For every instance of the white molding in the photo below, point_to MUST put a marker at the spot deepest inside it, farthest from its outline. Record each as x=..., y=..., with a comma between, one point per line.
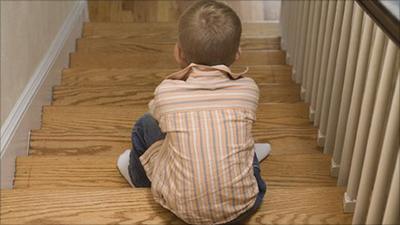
x=303, y=93
x=349, y=204
x=294, y=73
x=15, y=129
x=334, y=168
x=321, y=138
x=288, y=58
x=311, y=115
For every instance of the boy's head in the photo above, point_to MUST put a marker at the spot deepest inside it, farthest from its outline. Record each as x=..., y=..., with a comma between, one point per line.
x=209, y=34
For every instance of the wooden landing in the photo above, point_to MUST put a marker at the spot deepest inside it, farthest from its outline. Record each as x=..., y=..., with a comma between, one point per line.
x=70, y=175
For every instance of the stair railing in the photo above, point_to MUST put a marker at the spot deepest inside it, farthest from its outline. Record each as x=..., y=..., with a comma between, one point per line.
x=347, y=64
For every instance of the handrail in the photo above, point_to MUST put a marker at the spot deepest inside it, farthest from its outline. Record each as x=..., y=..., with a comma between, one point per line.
x=383, y=17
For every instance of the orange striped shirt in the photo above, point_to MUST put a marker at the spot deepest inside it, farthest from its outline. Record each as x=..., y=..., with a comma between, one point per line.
x=202, y=171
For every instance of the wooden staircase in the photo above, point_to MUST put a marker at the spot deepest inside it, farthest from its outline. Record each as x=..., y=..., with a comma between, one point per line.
x=70, y=176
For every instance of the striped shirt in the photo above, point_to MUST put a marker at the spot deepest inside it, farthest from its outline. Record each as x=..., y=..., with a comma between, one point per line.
x=202, y=171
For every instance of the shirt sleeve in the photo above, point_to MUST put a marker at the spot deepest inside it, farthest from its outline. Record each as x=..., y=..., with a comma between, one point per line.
x=153, y=108
x=154, y=104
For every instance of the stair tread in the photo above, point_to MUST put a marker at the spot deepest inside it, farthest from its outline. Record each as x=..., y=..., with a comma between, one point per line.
x=63, y=172
x=132, y=45
x=164, y=60
x=132, y=95
x=136, y=205
x=59, y=142
x=162, y=30
x=81, y=76
x=113, y=119
x=71, y=130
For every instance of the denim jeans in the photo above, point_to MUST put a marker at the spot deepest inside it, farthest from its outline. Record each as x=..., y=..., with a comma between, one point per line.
x=145, y=132
x=262, y=188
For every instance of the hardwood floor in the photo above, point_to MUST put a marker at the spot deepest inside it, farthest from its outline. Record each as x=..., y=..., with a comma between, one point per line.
x=70, y=175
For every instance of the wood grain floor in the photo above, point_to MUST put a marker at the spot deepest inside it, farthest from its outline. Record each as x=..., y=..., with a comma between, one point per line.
x=170, y=10
x=70, y=175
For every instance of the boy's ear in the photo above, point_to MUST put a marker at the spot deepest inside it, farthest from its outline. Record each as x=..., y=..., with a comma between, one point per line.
x=179, y=56
x=238, y=54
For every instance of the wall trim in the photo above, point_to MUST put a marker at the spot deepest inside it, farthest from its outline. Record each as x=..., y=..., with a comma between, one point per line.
x=14, y=125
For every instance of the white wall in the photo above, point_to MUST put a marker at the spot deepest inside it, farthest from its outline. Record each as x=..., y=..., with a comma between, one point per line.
x=36, y=39
x=27, y=30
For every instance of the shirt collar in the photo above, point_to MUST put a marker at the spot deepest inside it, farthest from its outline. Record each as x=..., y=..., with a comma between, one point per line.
x=196, y=68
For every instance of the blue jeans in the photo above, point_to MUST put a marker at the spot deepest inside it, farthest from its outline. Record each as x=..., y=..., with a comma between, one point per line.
x=146, y=132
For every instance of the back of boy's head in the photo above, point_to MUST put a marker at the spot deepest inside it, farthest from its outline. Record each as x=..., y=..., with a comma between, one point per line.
x=209, y=33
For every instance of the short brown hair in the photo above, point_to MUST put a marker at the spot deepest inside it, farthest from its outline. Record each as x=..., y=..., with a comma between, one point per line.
x=209, y=33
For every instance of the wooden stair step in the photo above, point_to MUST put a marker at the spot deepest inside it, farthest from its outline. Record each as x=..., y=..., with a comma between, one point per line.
x=96, y=118
x=147, y=77
x=159, y=31
x=68, y=143
x=99, y=130
x=63, y=172
x=129, y=45
x=164, y=60
x=134, y=95
x=298, y=140
x=136, y=206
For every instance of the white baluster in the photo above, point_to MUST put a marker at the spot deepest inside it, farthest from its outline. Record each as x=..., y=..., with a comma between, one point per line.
x=302, y=41
x=307, y=83
x=318, y=58
x=372, y=151
x=338, y=78
x=366, y=114
x=330, y=73
x=356, y=99
x=349, y=76
x=307, y=46
x=388, y=158
x=324, y=61
x=391, y=216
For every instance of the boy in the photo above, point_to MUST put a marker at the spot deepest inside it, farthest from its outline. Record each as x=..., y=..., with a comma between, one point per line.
x=195, y=147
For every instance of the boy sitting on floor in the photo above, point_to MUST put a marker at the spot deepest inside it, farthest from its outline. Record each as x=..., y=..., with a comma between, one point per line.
x=195, y=148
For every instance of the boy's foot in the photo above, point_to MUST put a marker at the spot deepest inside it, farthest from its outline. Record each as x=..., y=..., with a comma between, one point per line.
x=262, y=150
x=123, y=165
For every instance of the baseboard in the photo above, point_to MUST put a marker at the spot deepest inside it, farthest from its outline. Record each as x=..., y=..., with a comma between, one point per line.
x=26, y=113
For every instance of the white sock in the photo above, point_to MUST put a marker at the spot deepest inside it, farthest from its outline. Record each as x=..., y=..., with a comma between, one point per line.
x=262, y=150
x=123, y=165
